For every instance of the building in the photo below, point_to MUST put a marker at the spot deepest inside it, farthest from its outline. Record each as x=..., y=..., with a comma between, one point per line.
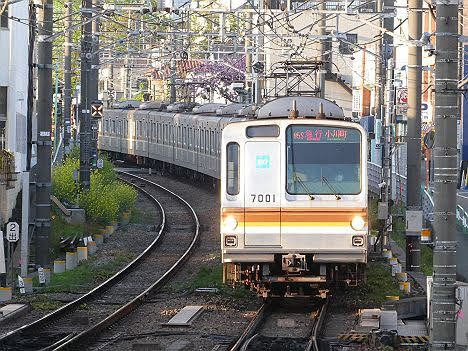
x=13, y=104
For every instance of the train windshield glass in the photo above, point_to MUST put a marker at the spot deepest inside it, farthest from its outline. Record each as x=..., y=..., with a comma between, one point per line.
x=323, y=160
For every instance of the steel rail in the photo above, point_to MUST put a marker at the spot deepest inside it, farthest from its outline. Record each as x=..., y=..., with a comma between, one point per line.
x=248, y=332
x=126, y=309
x=70, y=307
x=313, y=342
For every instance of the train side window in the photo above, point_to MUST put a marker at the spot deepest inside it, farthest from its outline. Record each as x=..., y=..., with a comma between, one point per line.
x=232, y=170
x=207, y=142
x=113, y=126
x=184, y=139
x=202, y=142
x=212, y=143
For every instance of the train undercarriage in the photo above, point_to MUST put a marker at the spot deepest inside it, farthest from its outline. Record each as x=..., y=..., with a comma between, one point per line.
x=293, y=275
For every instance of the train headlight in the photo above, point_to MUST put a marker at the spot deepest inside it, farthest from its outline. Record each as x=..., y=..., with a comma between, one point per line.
x=229, y=224
x=358, y=223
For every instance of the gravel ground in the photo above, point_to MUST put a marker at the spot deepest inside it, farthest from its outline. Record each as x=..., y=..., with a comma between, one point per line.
x=141, y=234
x=223, y=317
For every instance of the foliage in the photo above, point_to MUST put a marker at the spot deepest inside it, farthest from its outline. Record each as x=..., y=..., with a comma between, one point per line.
x=100, y=202
x=89, y=273
x=219, y=75
x=212, y=277
x=64, y=186
x=106, y=198
x=373, y=292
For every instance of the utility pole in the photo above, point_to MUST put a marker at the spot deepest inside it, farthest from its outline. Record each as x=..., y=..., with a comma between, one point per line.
x=413, y=185
x=44, y=126
x=85, y=108
x=173, y=91
x=94, y=83
x=443, y=313
x=67, y=77
x=94, y=76
x=322, y=33
x=259, y=81
x=385, y=44
x=248, y=56
x=378, y=68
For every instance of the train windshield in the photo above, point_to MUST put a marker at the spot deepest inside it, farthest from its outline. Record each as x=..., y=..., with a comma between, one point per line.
x=323, y=160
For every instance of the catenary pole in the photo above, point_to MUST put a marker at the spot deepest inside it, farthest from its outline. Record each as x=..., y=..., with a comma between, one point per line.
x=443, y=313
x=413, y=195
x=44, y=124
x=321, y=47
x=85, y=108
x=94, y=73
x=67, y=77
x=248, y=56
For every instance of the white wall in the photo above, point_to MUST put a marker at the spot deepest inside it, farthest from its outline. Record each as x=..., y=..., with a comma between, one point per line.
x=14, y=75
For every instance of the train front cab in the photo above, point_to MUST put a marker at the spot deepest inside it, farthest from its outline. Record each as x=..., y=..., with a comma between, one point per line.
x=293, y=204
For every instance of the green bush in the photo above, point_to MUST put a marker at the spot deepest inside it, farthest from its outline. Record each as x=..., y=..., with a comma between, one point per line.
x=63, y=185
x=126, y=196
x=100, y=202
x=106, y=198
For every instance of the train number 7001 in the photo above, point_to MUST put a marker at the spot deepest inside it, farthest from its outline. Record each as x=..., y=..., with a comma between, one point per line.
x=263, y=197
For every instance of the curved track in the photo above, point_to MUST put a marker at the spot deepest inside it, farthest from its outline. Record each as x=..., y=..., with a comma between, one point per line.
x=75, y=324
x=255, y=336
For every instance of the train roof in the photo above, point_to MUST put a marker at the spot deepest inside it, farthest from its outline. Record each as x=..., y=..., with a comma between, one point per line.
x=306, y=106
x=154, y=105
x=208, y=108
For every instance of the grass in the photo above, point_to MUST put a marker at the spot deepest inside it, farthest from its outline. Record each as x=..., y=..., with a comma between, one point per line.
x=61, y=229
x=374, y=291
x=87, y=274
x=211, y=277
x=42, y=303
x=139, y=216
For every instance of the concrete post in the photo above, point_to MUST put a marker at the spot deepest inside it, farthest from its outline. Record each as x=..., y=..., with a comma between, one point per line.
x=443, y=313
x=44, y=120
x=67, y=77
x=85, y=111
x=413, y=186
x=322, y=32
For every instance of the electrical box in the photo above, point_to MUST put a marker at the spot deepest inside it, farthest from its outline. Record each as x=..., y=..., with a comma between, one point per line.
x=414, y=221
x=382, y=210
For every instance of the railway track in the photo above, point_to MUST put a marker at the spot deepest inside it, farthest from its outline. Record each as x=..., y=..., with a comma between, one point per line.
x=78, y=322
x=287, y=326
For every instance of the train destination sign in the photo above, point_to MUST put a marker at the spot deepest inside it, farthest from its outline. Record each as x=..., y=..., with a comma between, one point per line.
x=319, y=134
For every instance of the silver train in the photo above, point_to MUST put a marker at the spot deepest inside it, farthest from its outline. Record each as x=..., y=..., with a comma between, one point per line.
x=179, y=137
x=285, y=229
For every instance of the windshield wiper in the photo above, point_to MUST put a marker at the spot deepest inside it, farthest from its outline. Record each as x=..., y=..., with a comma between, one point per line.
x=338, y=197
x=296, y=178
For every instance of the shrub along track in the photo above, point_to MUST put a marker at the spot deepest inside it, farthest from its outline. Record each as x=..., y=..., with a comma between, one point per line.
x=75, y=324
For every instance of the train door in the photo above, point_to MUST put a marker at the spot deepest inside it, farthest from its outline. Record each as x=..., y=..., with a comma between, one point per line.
x=262, y=171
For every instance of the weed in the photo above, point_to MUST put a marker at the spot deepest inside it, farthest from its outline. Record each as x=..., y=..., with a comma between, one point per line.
x=374, y=291
x=211, y=277
x=42, y=303
x=88, y=274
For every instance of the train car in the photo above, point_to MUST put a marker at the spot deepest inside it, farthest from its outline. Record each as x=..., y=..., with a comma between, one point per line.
x=294, y=198
x=169, y=137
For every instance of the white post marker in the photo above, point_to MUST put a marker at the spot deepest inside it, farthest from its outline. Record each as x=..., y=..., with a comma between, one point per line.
x=100, y=163
x=2, y=262
x=12, y=232
x=21, y=285
x=41, y=275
